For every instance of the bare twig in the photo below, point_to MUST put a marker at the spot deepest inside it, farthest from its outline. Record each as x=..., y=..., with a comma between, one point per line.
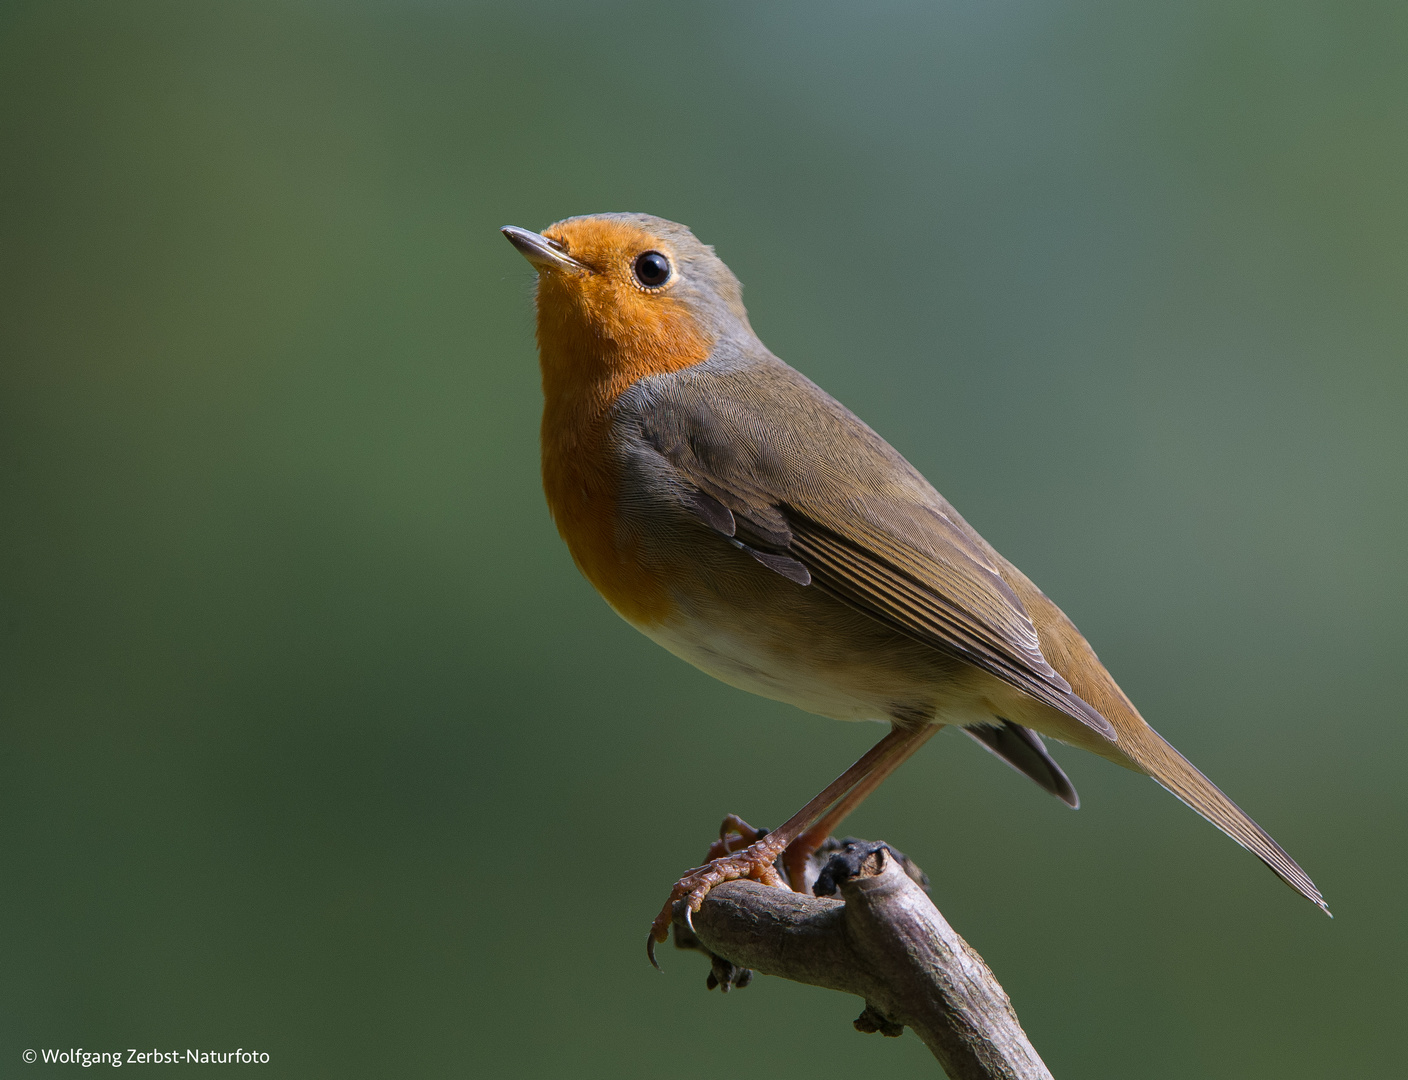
x=883, y=941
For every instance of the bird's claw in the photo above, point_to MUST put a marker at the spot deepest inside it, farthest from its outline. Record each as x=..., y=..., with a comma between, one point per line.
x=754, y=862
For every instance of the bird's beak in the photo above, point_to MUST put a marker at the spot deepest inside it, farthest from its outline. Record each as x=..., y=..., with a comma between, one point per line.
x=543, y=253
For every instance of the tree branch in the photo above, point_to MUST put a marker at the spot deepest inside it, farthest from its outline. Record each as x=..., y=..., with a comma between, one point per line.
x=885, y=942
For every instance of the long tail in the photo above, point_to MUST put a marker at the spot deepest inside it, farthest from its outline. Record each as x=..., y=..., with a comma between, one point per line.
x=1173, y=771
x=1139, y=744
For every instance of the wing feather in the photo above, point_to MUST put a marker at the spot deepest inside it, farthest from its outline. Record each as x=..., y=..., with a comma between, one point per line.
x=834, y=505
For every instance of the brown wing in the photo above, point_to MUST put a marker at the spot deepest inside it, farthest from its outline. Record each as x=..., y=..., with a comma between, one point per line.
x=811, y=491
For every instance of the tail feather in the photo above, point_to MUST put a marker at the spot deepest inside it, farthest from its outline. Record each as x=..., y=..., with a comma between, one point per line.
x=1177, y=774
x=1138, y=744
x=1024, y=751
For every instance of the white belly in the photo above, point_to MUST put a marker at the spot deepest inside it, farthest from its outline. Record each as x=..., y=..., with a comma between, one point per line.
x=739, y=661
x=820, y=678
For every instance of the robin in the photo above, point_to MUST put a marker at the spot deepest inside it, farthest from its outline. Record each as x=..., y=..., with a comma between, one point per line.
x=737, y=514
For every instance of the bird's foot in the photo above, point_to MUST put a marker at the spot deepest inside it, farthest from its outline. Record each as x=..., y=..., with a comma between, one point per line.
x=755, y=861
x=734, y=835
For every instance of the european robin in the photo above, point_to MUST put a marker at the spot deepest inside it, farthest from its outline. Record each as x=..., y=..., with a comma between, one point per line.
x=737, y=514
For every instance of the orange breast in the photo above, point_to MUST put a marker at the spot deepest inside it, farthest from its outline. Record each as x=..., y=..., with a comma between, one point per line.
x=597, y=337
x=582, y=488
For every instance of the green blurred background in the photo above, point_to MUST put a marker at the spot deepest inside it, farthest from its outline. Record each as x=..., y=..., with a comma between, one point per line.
x=314, y=740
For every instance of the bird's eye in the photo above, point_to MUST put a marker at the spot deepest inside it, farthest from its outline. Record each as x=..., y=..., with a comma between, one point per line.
x=652, y=269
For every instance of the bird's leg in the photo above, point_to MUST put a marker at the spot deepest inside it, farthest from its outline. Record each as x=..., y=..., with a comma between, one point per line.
x=795, y=858
x=755, y=861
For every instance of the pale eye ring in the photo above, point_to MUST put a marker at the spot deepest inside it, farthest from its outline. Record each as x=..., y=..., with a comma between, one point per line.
x=652, y=269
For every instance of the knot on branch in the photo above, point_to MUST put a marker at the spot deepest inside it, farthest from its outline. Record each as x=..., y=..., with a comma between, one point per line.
x=870, y=1021
x=724, y=975
x=857, y=858
x=851, y=859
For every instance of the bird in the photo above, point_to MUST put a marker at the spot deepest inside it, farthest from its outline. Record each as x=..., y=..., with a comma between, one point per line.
x=741, y=517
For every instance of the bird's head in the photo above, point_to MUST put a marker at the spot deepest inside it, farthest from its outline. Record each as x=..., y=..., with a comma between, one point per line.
x=623, y=296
